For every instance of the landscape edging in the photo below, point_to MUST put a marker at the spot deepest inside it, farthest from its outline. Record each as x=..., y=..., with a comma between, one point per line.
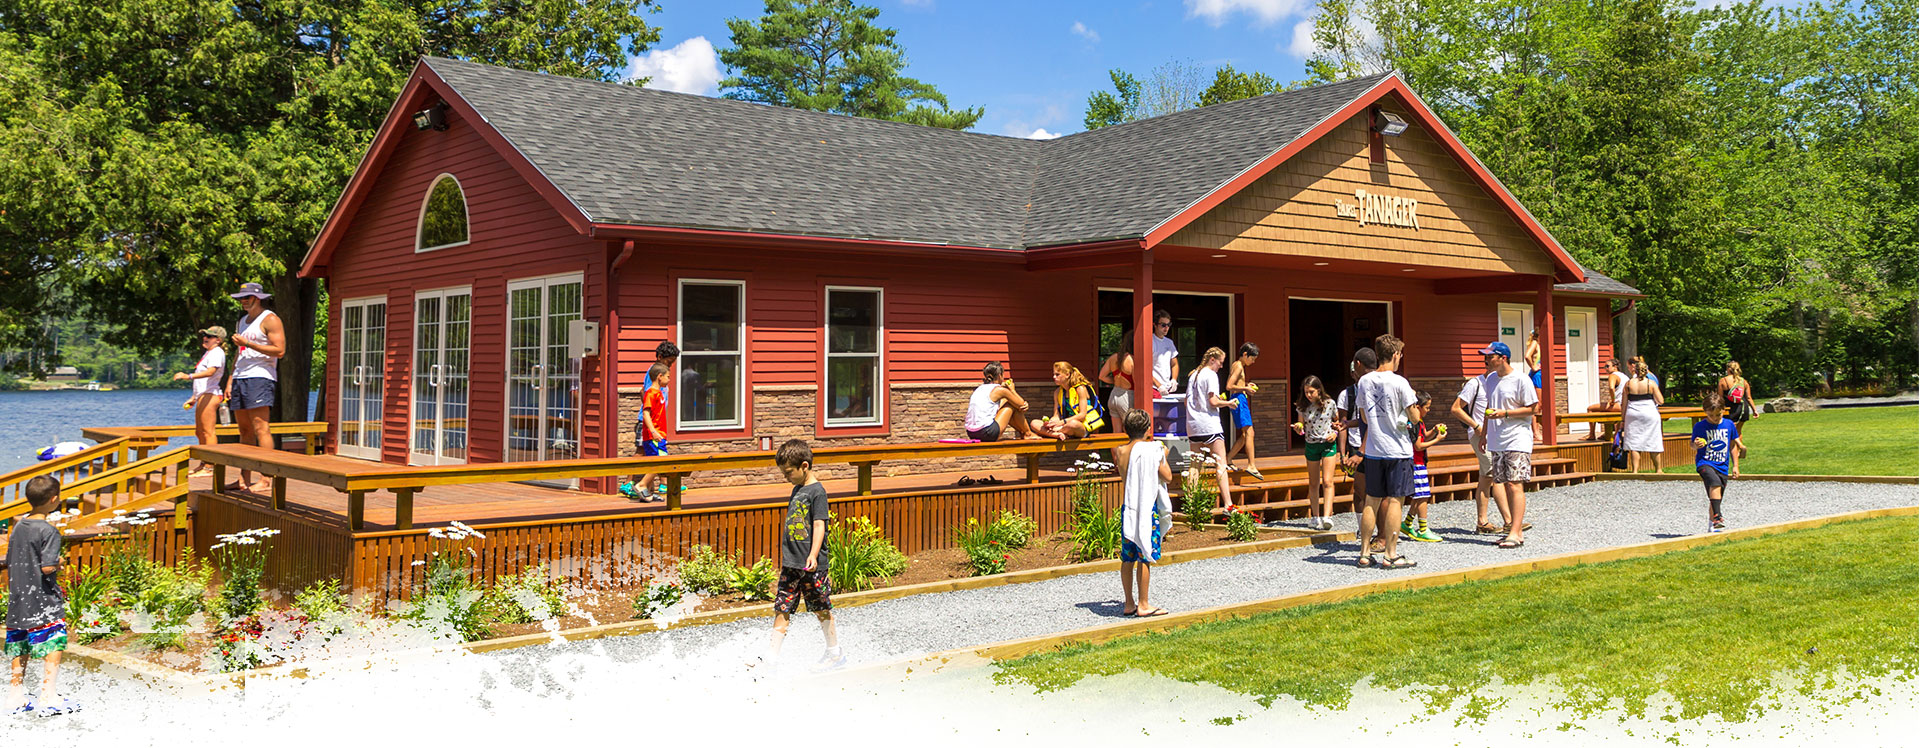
x=1887, y=479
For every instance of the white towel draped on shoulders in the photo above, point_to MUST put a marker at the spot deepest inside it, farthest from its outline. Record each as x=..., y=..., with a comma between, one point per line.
x=1144, y=494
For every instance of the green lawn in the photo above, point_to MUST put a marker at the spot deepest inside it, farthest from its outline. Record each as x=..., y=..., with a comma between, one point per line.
x=1841, y=441
x=1706, y=625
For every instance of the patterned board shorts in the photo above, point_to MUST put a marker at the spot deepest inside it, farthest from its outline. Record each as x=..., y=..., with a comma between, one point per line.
x=1131, y=554
x=37, y=642
x=1510, y=467
x=797, y=584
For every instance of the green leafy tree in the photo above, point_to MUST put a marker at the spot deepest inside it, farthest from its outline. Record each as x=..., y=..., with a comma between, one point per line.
x=154, y=154
x=830, y=56
x=1120, y=105
x=1233, y=85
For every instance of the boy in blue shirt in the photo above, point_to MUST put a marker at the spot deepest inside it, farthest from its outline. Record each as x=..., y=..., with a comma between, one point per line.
x=1716, y=454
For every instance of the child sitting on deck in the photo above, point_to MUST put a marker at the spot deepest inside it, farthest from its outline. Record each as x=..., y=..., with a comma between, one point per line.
x=36, y=606
x=804, y=555
x=1717, y=449
x=650, y=439
x=1424, y=436
x=1146, y=512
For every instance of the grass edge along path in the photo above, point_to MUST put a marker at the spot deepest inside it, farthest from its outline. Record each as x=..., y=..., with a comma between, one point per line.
x=1875, y=440
x=1707, y=626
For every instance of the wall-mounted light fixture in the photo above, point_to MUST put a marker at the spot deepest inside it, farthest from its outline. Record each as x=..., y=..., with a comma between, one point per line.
x=431, y=118
x=1388, y=123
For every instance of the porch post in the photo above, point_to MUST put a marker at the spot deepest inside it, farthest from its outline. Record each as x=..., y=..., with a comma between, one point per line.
x=1143, y=332
x=1549, y=360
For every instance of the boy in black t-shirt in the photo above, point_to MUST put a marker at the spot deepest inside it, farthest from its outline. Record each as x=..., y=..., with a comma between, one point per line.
x=803, y=554
x=37, y=607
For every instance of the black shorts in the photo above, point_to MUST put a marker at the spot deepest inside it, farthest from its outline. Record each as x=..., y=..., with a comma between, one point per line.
x=1713, y=478
x=252, y=392
x=1388, y=477
x=800, y=584
x=987, y=433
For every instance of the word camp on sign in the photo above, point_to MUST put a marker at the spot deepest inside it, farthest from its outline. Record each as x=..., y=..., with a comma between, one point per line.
x=1380, y=209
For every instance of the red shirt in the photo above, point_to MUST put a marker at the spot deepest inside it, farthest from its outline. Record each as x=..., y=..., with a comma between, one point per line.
x=1421, y=432
x=655, y=406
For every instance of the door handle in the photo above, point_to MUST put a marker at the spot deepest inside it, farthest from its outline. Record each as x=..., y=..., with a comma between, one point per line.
x=434, y=375
x=539, y=376
x=359, y=376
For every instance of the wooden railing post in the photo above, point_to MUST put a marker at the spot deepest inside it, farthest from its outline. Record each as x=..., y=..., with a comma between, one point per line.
x=279, y=493
x=1033, y=467
x=673, y=491
x=356, y=510
x=866, y=478
x=219, y=478
x=403, y=508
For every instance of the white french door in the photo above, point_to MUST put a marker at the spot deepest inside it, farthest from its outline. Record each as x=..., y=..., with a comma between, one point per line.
x=363, y=376
x=543, y=378
x=442, y=328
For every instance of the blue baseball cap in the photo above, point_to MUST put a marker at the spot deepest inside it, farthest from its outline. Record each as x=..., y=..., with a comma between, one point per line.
x=1497, y=348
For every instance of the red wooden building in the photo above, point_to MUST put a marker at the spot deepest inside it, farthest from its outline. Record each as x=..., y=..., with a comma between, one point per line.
x=844, y=279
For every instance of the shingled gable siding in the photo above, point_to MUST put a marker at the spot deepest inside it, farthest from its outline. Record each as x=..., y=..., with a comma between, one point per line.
x=515, y=234
x=1292, y=209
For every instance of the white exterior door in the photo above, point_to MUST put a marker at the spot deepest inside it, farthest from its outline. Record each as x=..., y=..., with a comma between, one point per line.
x=1516, y=321
x=442, y=327
x=363, y=378
x=543, y=379
x=1583, y=372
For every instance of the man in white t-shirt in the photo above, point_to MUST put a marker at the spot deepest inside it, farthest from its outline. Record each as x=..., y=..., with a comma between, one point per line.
x=1385, y=398
x=1471, y=408
x=1511, y=404
x=1166, y=356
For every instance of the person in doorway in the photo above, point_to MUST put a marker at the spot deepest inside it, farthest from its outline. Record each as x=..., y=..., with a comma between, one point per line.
x=1511, y=403
x=804, y=556
x=1315, y=427
x=994, y=406
x=650, y=437
x=1471, y=408
x=1077, y=412
x=36, y=617
x=262, y=340
x=1348, y=422
x=1146, y=512
x=1717, y=450
x=1737, y=393
x=205, y=400
x=1204, y=432
x=1386, y=406
x=1425, y=435
x=1166, y=356
x=1533, y=372
x=1239, y=386
x=1117, y=372
x=1640, y=422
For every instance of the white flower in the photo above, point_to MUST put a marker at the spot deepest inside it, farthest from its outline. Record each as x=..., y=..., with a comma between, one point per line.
x=216, y=546
x=476, y=533
x=436, y=533
x=419, y=563
x=118, y=512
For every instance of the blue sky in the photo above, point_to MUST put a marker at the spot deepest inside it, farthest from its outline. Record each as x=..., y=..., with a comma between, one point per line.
x=1031, y=64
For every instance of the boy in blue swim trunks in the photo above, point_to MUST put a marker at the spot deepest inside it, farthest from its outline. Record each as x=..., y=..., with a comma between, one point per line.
x=1145, y=511
x=1716, y=454
x=36, y=606
x=1238, y=386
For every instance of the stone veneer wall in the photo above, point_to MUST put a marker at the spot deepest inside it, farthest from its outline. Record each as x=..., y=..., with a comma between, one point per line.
x=916, y=413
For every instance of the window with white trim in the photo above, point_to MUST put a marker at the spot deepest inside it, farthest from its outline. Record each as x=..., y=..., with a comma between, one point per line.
x=443, y=216
x=710, y=385
x=855, y=332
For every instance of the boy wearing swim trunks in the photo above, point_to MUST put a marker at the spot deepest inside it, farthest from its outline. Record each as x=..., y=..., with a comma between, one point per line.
x=803, y=554
x=1716, y=454
x=1238, y=386
x=36, y=606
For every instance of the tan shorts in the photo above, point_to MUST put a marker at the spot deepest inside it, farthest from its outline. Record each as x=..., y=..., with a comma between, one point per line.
x=1511, y=467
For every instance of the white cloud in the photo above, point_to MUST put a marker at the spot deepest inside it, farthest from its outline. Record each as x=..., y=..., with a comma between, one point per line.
x=1084, y=32
x=1303, y=46
x=1264, y=11
x=1040, y=133
x=688, y=67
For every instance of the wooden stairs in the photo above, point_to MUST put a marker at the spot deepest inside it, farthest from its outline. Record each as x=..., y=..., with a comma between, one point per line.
x=1283, y=494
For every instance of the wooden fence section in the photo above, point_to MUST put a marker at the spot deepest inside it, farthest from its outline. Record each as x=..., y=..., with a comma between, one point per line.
x=623, y=550
x=162, y=542
x=305, y=551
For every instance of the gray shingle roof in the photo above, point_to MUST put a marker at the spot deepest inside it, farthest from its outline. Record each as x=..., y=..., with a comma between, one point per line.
x=629, y=155
x=1598, y=284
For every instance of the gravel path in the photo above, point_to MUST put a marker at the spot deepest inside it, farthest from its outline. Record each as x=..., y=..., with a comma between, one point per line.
x=1594, y=515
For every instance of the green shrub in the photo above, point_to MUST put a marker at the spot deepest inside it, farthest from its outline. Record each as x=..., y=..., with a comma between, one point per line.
x=756, y=581
x=1013, y=529
x=1096, y=535
x=1197, y=495
x=92, y=612
x=986, y=553
x=449, y=596
x=530, y=596
x=171, y=597
x=857, y=552
x=657, y=597
x=242, y=558
x=322, y=603
x=1240, y=525
x=707, y=572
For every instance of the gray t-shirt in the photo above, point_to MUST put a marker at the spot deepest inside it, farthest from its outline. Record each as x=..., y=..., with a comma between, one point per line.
x=808, y=503
x=33, y=599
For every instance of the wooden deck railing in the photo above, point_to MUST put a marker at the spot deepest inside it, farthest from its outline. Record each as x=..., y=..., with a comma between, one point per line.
x=99, y=458
x=144, y=439
x=355, y=480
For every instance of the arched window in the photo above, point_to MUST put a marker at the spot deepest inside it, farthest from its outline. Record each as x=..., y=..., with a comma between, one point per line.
x=443, y=218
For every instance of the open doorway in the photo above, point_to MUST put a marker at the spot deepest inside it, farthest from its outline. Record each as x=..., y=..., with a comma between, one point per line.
x=1200, y=321
x=1322, y=335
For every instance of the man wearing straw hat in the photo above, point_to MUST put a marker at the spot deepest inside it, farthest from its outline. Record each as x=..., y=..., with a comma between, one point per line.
x=262, y=341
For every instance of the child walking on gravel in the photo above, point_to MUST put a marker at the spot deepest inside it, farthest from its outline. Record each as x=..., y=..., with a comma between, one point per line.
x=1146, y=513
x=803, y=554
x=36, y=606
x=1716, y=454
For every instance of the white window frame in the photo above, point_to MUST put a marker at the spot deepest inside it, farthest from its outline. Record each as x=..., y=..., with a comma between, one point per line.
x=878, y=355
x=420, y=220
x=359, y=452
x=740, y=353
x=412, y=415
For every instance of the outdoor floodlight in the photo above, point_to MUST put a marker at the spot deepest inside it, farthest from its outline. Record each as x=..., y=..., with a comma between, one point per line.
x=431, y=118
x=1388, y=123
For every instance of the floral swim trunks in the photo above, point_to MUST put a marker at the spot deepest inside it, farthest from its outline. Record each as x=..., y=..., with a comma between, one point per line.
x=1131, y=554
x=798, y=584
x=37, y=642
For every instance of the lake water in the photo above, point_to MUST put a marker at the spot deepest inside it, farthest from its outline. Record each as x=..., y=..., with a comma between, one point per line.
x=31, y=421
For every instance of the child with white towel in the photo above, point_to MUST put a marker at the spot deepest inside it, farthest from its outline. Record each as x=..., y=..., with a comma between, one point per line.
x=1146, y=512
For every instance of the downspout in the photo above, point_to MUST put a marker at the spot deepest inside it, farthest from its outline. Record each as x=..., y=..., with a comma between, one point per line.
x=610, y=356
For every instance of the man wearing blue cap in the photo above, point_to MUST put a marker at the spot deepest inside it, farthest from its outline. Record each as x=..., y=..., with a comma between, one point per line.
x=1508, y=438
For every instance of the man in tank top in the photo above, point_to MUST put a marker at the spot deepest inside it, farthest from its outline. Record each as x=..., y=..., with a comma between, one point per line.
x=261, y=341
